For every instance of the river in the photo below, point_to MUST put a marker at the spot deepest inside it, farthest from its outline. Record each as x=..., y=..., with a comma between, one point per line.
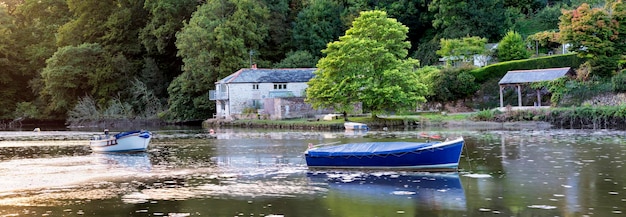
x=246, y=172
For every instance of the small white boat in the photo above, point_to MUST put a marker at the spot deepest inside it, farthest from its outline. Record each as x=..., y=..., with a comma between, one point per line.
x=131, y=141
x=355, y=126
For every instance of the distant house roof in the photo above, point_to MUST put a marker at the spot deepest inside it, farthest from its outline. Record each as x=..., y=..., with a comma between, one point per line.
x=255, y=75
x=534, y=75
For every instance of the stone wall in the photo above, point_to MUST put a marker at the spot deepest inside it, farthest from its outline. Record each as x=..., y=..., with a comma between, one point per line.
x=607, y=100
x=292, y=107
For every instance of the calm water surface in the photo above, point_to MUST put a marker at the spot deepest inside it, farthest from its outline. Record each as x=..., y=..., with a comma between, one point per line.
x=263, y=173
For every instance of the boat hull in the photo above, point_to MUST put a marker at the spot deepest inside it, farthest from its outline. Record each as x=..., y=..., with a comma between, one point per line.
x=355, y=126
x=131, y=142
x=443, y=156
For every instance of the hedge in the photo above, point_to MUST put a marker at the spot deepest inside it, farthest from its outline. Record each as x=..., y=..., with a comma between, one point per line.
x=498, y=70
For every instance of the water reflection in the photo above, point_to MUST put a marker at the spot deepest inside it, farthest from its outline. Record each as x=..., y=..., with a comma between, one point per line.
x=385, y=193
x=548, y=173
x=132, y=161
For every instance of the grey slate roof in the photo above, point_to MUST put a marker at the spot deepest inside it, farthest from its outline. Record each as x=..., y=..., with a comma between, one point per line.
x=534, y=75
x=255, y=75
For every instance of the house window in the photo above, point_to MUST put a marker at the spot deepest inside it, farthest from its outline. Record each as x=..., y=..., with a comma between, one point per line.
x=280, y=86
x=257, y=104
x=255, y=86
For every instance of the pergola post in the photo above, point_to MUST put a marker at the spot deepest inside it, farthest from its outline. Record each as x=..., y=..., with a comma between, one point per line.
x=519, y=95
x=538, y=97
x=501, y=99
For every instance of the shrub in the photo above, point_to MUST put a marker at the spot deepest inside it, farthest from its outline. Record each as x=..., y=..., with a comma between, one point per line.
x=485, y=115
x=498, y=70
x=618, y=82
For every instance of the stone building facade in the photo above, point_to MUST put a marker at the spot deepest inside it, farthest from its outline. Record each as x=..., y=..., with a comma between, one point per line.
x=270, y=93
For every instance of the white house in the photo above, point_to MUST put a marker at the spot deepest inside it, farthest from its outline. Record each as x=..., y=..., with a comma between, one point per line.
x=249, y=87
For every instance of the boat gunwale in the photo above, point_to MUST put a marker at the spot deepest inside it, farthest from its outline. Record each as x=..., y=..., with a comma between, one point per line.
x=418, y=150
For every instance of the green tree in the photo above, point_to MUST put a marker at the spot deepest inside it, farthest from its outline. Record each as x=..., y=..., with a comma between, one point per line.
x=166, y=17
x=545, y=39
x=12, y=81
x=368, y=64
x=158, y=36
x=525, y=6
x=115, y=26
x=214, y=44
x=297, y=59
x=316, y=25
x=460, y=18
x=512, y=47
x=280, y=28
x=88, y=24
x=38, y=22
x=461, y=50
x=450, y=84
x=411, y=13
x=77, y=71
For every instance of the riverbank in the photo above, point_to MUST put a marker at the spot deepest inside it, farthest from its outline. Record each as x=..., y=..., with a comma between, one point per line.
x=459, y=121
x=582, y=117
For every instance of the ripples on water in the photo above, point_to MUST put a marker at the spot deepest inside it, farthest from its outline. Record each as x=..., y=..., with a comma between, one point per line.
x=514, y=173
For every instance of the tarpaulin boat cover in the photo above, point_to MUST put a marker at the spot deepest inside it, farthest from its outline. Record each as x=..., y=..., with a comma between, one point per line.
x=365, y=149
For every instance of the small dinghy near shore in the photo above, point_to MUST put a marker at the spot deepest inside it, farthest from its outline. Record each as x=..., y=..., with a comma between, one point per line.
x=438, y=155
x=355, y=126
x=131, y=141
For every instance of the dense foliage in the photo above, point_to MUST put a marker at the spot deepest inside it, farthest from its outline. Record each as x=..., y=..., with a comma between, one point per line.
x=461, y=50
x=448, y=84
x=598, y=34
x=55, y=53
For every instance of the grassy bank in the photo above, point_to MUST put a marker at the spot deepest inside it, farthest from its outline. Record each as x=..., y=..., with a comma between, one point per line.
x=422, y=119
x=583, y=117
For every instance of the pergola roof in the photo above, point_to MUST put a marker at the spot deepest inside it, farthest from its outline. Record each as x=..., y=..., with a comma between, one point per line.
x=534, y=75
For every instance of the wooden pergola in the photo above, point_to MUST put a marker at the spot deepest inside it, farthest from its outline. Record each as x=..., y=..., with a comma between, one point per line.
x=518, y=78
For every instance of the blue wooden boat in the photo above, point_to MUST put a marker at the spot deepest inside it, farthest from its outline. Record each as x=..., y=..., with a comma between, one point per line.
x=438, y=155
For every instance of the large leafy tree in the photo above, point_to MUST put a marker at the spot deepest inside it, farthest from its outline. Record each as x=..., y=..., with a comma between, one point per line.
x=368, y=64
x=450, y=84
x=214, y=44
x=158, y=36
x=512, y=47
x=36, y=24
x=460, y=18
x=77, y=71
x=279, y=27
x=89, y=23
x=12, y=80
x=598, y=34
x=166, y=17
x=316, y=25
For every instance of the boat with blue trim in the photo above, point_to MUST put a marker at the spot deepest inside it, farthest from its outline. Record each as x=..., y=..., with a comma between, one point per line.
x=430, y=155
x=130, y=141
